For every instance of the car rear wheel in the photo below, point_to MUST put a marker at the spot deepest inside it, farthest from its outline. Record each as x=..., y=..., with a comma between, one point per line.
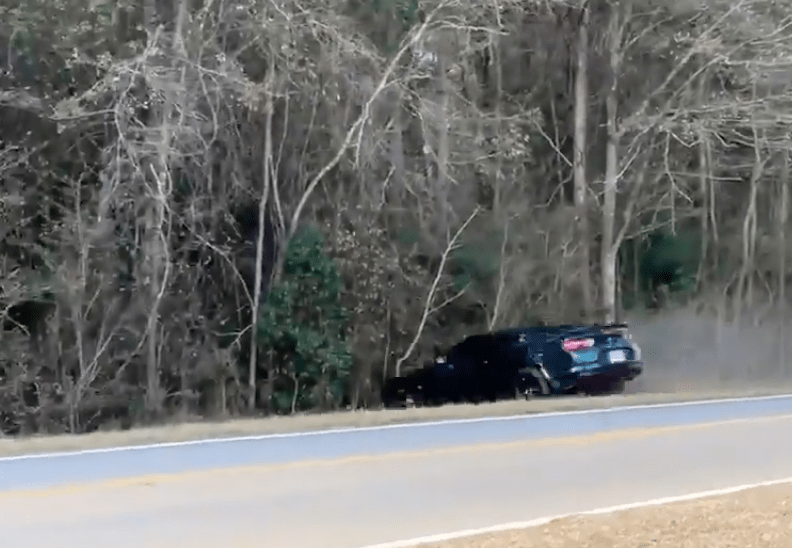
x=531, y=383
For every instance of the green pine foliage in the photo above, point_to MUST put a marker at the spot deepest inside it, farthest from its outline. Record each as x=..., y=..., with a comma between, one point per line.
x=671, y=260
x=304, y=328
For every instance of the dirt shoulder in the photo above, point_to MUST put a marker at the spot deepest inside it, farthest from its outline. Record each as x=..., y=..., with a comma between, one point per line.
x=754, y=518
x=193, y=430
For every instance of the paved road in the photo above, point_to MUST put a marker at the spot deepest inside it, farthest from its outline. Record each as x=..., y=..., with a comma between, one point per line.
x=353, y=488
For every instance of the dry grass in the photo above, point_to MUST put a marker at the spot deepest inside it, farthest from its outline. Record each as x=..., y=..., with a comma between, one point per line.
x=751, y=519
x=196, y=430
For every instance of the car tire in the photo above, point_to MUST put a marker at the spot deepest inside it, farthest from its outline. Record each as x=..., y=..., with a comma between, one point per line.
x=538, y=382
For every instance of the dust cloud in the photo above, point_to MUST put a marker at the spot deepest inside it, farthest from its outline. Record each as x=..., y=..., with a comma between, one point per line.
x=685, y=351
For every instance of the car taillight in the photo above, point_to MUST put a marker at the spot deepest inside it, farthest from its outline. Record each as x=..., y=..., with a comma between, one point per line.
x=570, y=345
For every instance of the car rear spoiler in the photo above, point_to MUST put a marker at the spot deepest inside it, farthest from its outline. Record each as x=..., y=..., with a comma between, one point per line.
x=610, y=326
x=578, y=330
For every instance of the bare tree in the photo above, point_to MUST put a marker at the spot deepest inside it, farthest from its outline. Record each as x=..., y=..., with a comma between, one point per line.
x=745, y=286
x=262, y=224
x=704, y=174
x=610, y=248
x=579, y=160
x=357, y=127
x=782, y=219
x=164, y=23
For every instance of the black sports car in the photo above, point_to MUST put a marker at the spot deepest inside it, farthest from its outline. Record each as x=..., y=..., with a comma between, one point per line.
x=519, y=362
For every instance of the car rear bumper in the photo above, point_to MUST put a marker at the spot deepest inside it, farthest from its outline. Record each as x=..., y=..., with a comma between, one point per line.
x=626, y=370
x=601, y=373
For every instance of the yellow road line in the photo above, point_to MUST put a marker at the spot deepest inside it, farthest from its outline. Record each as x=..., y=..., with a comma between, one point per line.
x=150, y=480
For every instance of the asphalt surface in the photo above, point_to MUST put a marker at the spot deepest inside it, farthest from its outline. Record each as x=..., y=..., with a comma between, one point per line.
x=348, y=489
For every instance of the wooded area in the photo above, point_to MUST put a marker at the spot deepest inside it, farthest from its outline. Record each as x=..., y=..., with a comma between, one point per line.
x=219, y=207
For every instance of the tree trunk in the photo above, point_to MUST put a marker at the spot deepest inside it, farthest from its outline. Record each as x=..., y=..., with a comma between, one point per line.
x=745, y=281
x=397, y=185
x=497, y=61
x=388, y=331
x=443, y=146
x=498, y=212
x=610, y=248
x=579, y=160
x=703, y=165
x=782, y=218
x=153, y=253
x=262, y=225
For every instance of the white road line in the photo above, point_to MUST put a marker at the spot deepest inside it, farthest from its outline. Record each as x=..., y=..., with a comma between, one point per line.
x=412, y=543
x=418, y=424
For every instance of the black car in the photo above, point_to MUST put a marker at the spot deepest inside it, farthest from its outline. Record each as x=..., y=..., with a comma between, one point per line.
x=565, y=359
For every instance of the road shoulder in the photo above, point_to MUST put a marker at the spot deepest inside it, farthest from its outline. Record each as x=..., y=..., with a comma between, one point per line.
x=752, y=518
x=190, y=431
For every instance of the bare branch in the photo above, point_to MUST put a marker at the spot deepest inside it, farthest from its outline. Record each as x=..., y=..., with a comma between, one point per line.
x=433, y=289
x=360, y=122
